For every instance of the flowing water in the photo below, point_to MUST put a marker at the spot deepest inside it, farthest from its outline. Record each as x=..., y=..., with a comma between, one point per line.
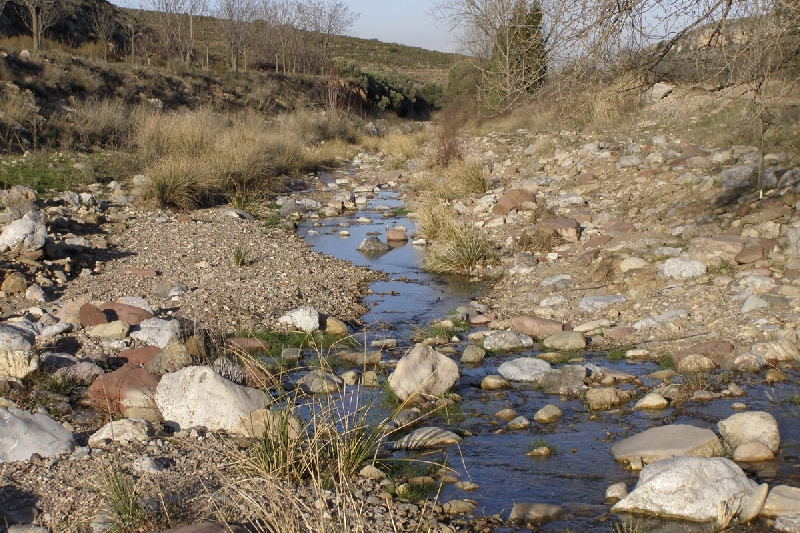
x=577, y=476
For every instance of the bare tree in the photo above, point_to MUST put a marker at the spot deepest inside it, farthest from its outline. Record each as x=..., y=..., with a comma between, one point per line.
x=171, y=28
x=128, y=21
x=41, y=14
x=235, y=19
x=280, y=28
x=323, y=19
x=104, y=24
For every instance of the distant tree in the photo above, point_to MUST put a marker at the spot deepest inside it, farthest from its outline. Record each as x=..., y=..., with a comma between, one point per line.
x=323, y=19
x=128, y=20
x=171, y=28
x=235, y=20
x=104, y=24
x=39, y=15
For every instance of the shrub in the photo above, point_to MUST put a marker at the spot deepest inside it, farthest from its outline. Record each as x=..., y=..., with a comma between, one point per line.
x=465, y=249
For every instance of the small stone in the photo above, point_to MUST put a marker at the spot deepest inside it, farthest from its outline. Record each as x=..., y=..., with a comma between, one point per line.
x=506, y=415
x=547, y=414
x=494, y=382
x=14, y=283
x=565, y=340
x=616, y=492
x=752, y=452
x=472, y=354
x=518, y=423
x=652, y=401
x=117, y=330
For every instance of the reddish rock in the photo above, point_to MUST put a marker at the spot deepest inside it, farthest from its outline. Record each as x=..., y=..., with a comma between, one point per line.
x=396, y=235
x=596, y=243
x=511, y=200
x=481, y=320
x=567, y=228
x=692, y=150
x=714, y=350
x=129, y=313
x=583, y=179
x=142, y=272
x=698, y=161
x=650, y=172
x=583, y=218
x=791, y=275
x=91, y=316
x=620, y=227
x=138, y=356
x=510, y=171
x=108, y=390
x=616, y=334
x=743, y=210
x=588, y=257
x=538, y=327
x=247, y=343
x=677, y=163
x=751, y=254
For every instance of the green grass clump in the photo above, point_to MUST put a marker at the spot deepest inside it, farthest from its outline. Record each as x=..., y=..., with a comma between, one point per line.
x=617, y=354
x=461, y=253
x=542, y=443
x=240, y=257
x=121, y=497
x=665, y=362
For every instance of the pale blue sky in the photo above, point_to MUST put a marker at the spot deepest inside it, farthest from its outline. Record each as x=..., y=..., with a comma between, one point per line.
x=400, y=21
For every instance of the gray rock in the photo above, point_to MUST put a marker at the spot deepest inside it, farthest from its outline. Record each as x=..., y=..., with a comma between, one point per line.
x=790, y=524
x=664, y=318
x=124, y=431
x=535, y=513
x=652, y=401
x=565, y=381
x=428, y=437
x=198, y=396
x=423, y=371
x=783, y=350
x=681, y=268
x=304, y=318
x=751, y=506
x=320, y=382
x=518, y=423
x=472, y=354
x=23, y=235
x=238, y=214
x=616, y=492
x=751, y=426
x=629, y=161
x=565, y=340
x=738, y=177
x=504, y=341
x=675, y=440
x=373, y=245
x=157, y=331
x=592, y=304
x=548, y=413
x=291, y=207
x=752, y=303
x=561, y=279
x=17, y=356
x=602, y=399
x=657, y=92
x=783, y=500
x=528, y=369
x=116, y=330
x=229, y=370
x=523, y=264
x=82, y=372
x=23, y=434
x=147, y=465
x=687, y=488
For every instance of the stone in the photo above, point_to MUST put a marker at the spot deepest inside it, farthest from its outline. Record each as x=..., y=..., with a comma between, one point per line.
x=753, y=303
x=680, y=268
x=14, y=283
x=494, y=382
x=737, y=177
x=17, y=356
x=782, y=350
x=602, y=399
x=472, y=354
x=523, y=264
x=138, y=356
x=123, y=431
x=512, y=200
x=35, y=293
x=110, y=391
x=198, y=396
x=147, y=465
x=91, y=316
x=459, y=507
x=229, y=370
x=505, y=341
x=751, y=506
x=304, y=318
x=23, y=235
x=334, y=326
x=652, y=401
x=117, y=330
x=373, y=245
x=547, y=414
x=427, y=437
x=526, y=369
x=157, y=331
x=751, y=426
x=687, y=488
x=423, y=371
x=783, y=500
x=616, y=492
x=632, y=263
x=695, y=363
x=518, y=423
x=675, y=440
x=567, y=228
x=537, y=327
x=666, y=317
x=535, y=513
x=23, y=434
x=319, y=382
x=752, y=452
x=131, y=314
x=565, y=381
x=281, y=422
x=592, y=304
x=565, y=340
x=171, y=358
x=788, y=524
x=396, y=235
x=372, y=473
x=82, y=373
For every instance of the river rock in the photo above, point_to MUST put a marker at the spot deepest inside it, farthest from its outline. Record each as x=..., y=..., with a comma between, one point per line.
x=170, y=358
x=123, y=431
x=319, y=382
x=652, y=401
x=785, y=524
x=602, y=398
x=427, y=437
x=632, y=263
x=198, y=396
x=565, y=340
x=157, y=331
x=373, y=244
x=23, y=434
x=783, y=500
x=528, y=369
x=675, y=440
x=687, y=488
x=504, y=341
x=472, y=354
x=783, y=350
x=116, y=330
x=132, y=314
x=334, y=326
x=423, y=371
x=565, y=381
x=751, y=426
x=304, y=318
x=752, y=303
x=518, y=423
x=752, y=505
x=537, y=327
x=110, y=391
x=494, y=382
x=23, y=235
x=17, y=356
x=592, y=304
x=752, y=452
x=616, y=492
x=695, y=363
x=535, y=513
x=547, y=414
x=681, y=268
x=82, y=372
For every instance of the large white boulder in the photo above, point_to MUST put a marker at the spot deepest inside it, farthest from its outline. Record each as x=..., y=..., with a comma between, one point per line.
x=668, y=441
x=17, y=357
x=752, y=426
x=23, y=434
x=682, y=268
x=124, y=431
x=423, y=371
x=524, y=369
x=688, y=488
x=304, y=318
x=198, y=396
x=23, y=235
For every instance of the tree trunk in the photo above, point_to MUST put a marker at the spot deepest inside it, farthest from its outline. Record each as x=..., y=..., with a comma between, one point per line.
x=35, y=27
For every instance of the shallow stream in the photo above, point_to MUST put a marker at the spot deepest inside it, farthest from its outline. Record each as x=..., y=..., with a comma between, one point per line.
x=577, y=476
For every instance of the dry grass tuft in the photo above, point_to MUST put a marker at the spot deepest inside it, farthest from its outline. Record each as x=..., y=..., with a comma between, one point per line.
x=466, y=177
x=461, y=252
x=604, y=269
x=544, y=146
x=446, y=146
x=539, y=240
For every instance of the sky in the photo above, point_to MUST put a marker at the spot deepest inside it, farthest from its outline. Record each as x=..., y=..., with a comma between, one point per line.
x=401, y=21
